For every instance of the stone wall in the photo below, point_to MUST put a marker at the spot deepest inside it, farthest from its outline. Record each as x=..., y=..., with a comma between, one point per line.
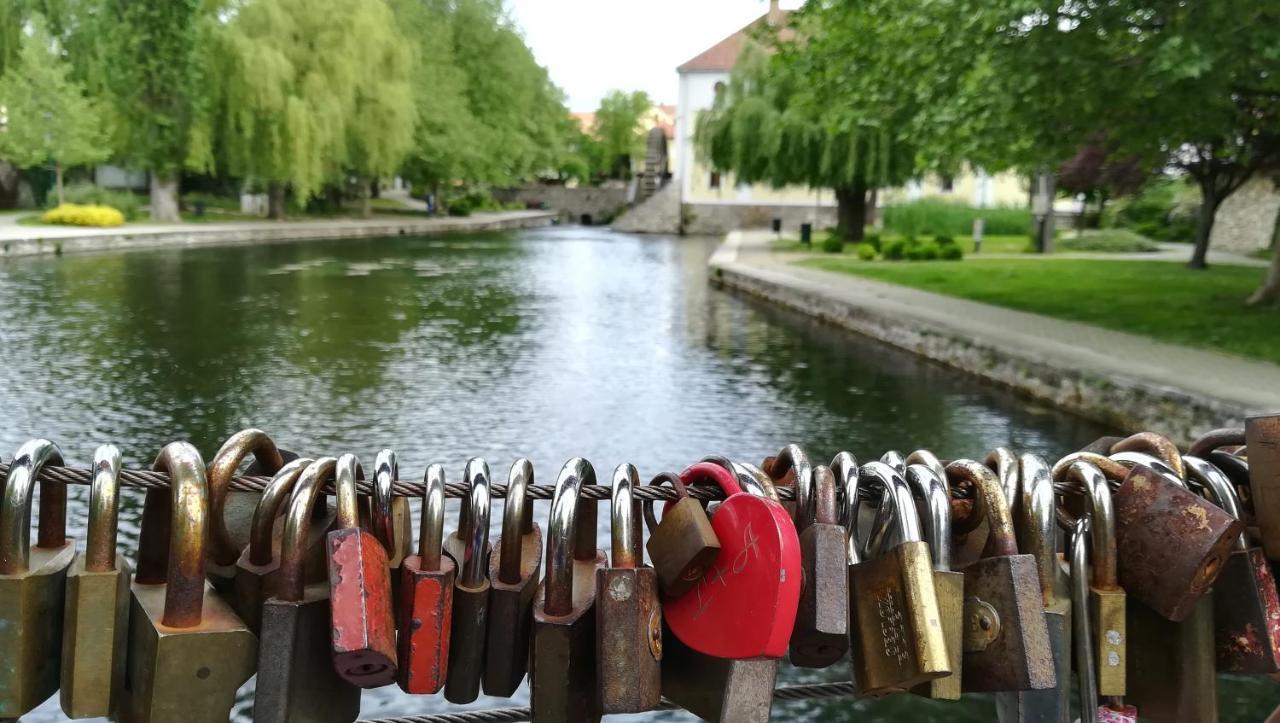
x=576, y=205
x=720, y=218
x=660, y=213
x=1247, y=218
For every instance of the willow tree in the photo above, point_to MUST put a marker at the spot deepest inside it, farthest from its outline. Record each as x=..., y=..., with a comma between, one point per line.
x=307, y=90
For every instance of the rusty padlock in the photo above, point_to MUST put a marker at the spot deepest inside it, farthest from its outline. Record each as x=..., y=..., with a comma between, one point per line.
x=820, y=636
x=1006, y=643
x=389, y=517
x=257, y=570
x=513, y=580
x=297, y=680
x=364, y=632
x=1262, y=434
x=426, y=602
x=1246, y=611
x=224, y=502
x=470, y=588
x=33, y=580
x=628, y=614
x=948, y=586
x=563, y=663
x=96, y=622
x=1156, y=445
x=683, y=544
x=185, y=642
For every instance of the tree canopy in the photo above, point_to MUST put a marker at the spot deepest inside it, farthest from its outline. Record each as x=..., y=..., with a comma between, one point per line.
x=619, y=130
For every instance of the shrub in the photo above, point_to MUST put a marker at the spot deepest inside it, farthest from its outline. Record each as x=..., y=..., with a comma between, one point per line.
x=944, y=240
x=127, y=203
x=895, y=250
x=74, y=214
x=926, y=251
x=833, y=244
x=866, y=251
x=1113, y=240
x=945, y=218
x=950, y=252
x=1166, y=209
x=874, y=240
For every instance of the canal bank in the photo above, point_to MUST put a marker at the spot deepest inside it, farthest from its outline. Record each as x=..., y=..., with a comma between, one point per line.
x=18, y=241
x=1115, y=378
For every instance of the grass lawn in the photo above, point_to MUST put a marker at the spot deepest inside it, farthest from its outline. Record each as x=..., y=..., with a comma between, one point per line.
x=1162, y=300
x=1016, y=244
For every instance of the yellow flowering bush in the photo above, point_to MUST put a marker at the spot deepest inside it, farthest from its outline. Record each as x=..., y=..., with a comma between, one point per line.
x=75, y=214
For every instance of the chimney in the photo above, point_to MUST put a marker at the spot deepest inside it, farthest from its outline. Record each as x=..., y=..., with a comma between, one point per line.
x=775, y=13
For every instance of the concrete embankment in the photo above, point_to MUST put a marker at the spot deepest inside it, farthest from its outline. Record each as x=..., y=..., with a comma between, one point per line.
x=1127, y=381
x=20, y=241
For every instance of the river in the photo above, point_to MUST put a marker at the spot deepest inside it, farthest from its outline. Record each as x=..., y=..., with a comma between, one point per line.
x=548, y=343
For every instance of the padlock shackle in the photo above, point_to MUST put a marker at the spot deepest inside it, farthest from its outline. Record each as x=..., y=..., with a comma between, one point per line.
x=1082, y=626
x=431, y=525
x=1102, y=523
x=754, y=481
x=624, y=521
x=15, y=507
x=517, y=520
x=1035, y=483
x=1114, y=471
x=897, y=508
x=1004, y=463
x=1156, y=445
x=1216, y=438
x=223, y=466
x=1220, y=488
x=475, y=509
x=1130, y=459
x=104, y=510
x=386, y=471
x=712, y=472
x=791, y=457
x=935, y=514
x=345, y=474
x=1001, y=541
x=826, y=496
x=562, y=535
x=188, y=534
x=297, y=522
x=930, y=460
x=845, y=468
x=894, y=459
x=278, y=489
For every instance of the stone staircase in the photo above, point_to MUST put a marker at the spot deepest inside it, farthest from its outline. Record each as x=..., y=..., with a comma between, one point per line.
x=659, y=213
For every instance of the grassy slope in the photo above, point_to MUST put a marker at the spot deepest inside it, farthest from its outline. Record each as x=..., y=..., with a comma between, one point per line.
x=1162, y=300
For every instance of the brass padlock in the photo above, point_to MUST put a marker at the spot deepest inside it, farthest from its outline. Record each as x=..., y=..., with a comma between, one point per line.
x=225, y=545
x=1246, y=612
x=896, y=639
x=820, y=636
x=257, y=570
x=563, y=664
x=296, y=678
x=96, y=624
x=628, y=614
x=32, y=580
x=513, y=580
x=469, y=547
x=1006, y=643
x=948, y=585
x=1262, y=434
x=1114, y=710
x=185, y=642
x=683, y=544
x=426, y=602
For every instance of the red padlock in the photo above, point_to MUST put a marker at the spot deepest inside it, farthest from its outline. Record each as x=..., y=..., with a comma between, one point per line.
x=364, y=630
x=426, y=598
x=745, y=605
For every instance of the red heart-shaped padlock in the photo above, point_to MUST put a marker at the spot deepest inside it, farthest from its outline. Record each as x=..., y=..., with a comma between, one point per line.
x=745, y=604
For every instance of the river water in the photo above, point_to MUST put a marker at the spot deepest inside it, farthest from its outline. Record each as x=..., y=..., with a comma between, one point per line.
x=549, y=343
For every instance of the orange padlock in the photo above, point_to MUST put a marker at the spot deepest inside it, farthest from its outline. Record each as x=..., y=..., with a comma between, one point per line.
x=426, y=597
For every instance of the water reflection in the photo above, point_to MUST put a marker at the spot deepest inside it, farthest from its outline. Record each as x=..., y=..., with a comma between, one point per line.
x=546, y=344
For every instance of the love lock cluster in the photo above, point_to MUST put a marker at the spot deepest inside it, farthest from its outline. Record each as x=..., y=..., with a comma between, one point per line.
x=933, y=578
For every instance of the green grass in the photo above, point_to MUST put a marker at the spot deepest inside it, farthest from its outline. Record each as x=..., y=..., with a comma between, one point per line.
x=990, y=244
x=1161, y=300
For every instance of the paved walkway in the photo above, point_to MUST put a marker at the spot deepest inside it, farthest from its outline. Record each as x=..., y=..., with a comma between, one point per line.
x=1243, y=383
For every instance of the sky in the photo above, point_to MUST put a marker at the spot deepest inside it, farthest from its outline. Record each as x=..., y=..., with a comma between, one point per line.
x=591, y=47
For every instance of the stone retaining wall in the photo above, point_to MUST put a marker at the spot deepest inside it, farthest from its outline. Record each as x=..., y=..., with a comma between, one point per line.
x=600, y=204
x=710, y=219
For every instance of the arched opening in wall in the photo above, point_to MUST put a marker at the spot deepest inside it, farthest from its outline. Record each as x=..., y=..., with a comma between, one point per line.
x=585, y=219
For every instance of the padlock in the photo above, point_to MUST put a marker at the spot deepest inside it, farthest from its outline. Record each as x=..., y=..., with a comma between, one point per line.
x=628, y=615
x=33, y=580
x=1038, y=537
x=1114, y=710
x=1171, y=544
x=1262, y=433
x=297, y=680
x=1156, y=445
x=930, y=460
x=96, y=622
x=1006, y=643
x=894, y=459
x=948, y=585
x=563, y=665
x=470, y=588
x=820, y=636
x=363, y=625
x=391, y=516
x=257, y=570
x=1171, y=676
x=791, y=468
x=683, y=544
x=1106, y=598
x=1215, y=439
x=426, y=602
x=513, y=580
x=185, y=642
x=1004, y=463
x=745, y=605
x=896, y=639
x=1246, y=611
x=224, y=502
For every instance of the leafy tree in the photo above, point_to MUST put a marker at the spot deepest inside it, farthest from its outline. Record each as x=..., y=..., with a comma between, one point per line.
x=1099, y=175
x=619, y=129
x=50, y=120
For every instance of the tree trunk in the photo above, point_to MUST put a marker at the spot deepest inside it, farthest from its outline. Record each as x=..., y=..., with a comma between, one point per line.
x=1046, y=183
x=1209, y=202
x=10, y=183
x=366, y=202
x=873, y=202
x=57, y=170
x=164, y=198
x=1269, y=292
x=851, y=211
x=275, y=201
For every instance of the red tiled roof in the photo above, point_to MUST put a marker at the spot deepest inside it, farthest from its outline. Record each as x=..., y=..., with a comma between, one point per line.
x=722, y=56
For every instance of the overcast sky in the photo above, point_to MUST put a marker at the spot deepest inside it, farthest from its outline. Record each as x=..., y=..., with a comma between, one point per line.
x=594, y=46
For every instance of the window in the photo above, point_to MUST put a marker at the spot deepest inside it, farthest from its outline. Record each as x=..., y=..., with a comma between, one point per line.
x=719, y=88
x=948, y=184
x=715, y=179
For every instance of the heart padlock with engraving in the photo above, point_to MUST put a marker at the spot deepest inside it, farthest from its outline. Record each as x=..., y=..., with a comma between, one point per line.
x=745, y=605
